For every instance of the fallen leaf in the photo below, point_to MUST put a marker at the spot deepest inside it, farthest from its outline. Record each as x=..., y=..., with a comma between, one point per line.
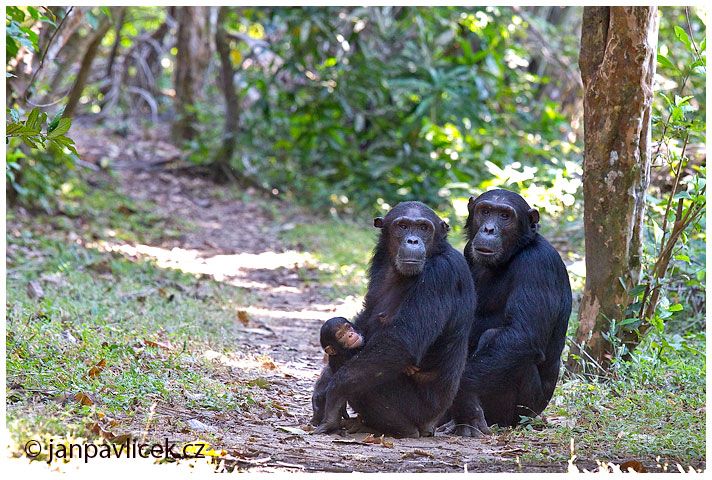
x=96, y=369
x=97, y=429
x=634, y=465
x=378, y=440
x=259, y=382
x=84, y=399
x=269, y=365
x=296, y=431
x=126, y=210
x=158, y=343
x=417, y=453
x=243, y=317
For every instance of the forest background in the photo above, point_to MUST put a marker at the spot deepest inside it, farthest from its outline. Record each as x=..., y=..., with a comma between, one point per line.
x=286, y=130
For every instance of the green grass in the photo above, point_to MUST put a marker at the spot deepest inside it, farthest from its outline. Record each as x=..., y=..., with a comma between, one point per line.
x=147, y=328
x=342, y=248
x=651, y=410
x=104, y=307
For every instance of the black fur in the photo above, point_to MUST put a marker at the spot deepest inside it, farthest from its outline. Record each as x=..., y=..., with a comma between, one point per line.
x=524, y=304
x=429, y=317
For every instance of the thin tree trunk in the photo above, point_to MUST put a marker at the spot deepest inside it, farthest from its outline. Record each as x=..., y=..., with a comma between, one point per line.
x=617, y=61
x=117, y=42
x=81, y=80
x=221, y=162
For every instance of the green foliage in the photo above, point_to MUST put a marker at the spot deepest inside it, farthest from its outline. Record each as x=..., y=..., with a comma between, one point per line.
x=35, y=176
x=34, y=173
x=669, y=303
x=366, y=107
x=18, y=33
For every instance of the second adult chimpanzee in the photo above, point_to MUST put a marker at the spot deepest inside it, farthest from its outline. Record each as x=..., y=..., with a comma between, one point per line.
x=524, y=303
x=423, y=287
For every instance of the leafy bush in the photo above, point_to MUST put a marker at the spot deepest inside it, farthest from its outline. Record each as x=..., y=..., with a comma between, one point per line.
x=365, y=107
x=33, y=173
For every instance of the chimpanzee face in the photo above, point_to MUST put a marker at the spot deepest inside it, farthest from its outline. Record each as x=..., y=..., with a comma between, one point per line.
x=411, y=230
x=347, y=337
x=496, y=228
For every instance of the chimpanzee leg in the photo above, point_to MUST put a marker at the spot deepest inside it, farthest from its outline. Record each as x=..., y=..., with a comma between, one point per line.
x=525, y=397
x=382, y=409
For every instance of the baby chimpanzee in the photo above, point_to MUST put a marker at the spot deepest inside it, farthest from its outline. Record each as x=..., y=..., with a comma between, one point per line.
x=341, y=341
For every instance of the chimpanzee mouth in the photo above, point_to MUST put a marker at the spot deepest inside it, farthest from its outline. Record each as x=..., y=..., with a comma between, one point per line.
x=484, y=251
x=412, y=262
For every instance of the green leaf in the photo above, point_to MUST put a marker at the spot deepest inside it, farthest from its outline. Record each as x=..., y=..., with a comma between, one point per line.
x=681, y=35
x=61, y=128
x=638, y=289
x=628, y=321
x=682, y=257
x=15, y=13
x=675, y=308
x=32, y=117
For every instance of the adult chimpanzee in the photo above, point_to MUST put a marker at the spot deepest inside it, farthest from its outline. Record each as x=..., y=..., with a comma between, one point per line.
x=423, y=288
x=524, y=303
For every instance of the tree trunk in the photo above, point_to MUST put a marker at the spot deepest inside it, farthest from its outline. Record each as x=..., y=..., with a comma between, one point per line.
x=117, y=42
x=191, y=60
x=617, y=61
x=222, y=170
x=81, y=80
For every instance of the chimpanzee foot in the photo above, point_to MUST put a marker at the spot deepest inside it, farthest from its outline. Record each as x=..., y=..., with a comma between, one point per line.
x=355, y=425
x=328, y=427
x=476, y=429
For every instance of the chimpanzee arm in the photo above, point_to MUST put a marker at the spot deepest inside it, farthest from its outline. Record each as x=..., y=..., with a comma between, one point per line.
x=416, y=326
x=531, y=313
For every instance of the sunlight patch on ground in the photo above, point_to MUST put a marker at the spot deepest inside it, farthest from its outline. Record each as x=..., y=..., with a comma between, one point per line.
x=348, y=308
x=221, y=267
x=264, y=364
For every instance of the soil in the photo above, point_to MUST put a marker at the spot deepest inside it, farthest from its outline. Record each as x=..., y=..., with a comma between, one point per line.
x=238, y=243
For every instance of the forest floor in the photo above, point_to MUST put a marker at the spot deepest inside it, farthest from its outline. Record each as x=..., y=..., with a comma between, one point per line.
x=247, y=312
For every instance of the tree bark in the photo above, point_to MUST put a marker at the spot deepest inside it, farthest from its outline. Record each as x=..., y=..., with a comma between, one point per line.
x=617, y=62
x=87, y=60
x=191, y=61
x=222, y=170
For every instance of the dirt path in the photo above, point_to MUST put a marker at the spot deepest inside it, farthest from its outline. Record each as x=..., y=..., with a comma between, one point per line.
x=237, y=242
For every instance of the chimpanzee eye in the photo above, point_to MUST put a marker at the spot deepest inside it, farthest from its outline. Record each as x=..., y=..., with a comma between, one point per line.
x=403, y=226
x=423, y=228
x=485, y=212
x=504, y=216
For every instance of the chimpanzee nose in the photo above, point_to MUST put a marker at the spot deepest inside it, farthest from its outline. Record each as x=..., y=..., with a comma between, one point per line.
x=488, y=229
x=413, y=240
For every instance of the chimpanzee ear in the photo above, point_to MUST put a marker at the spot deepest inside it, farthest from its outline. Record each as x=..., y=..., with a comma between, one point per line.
x=444, y=226
x=534, y=219
x=471, y=203
x=330, y=350
x=378, y=222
